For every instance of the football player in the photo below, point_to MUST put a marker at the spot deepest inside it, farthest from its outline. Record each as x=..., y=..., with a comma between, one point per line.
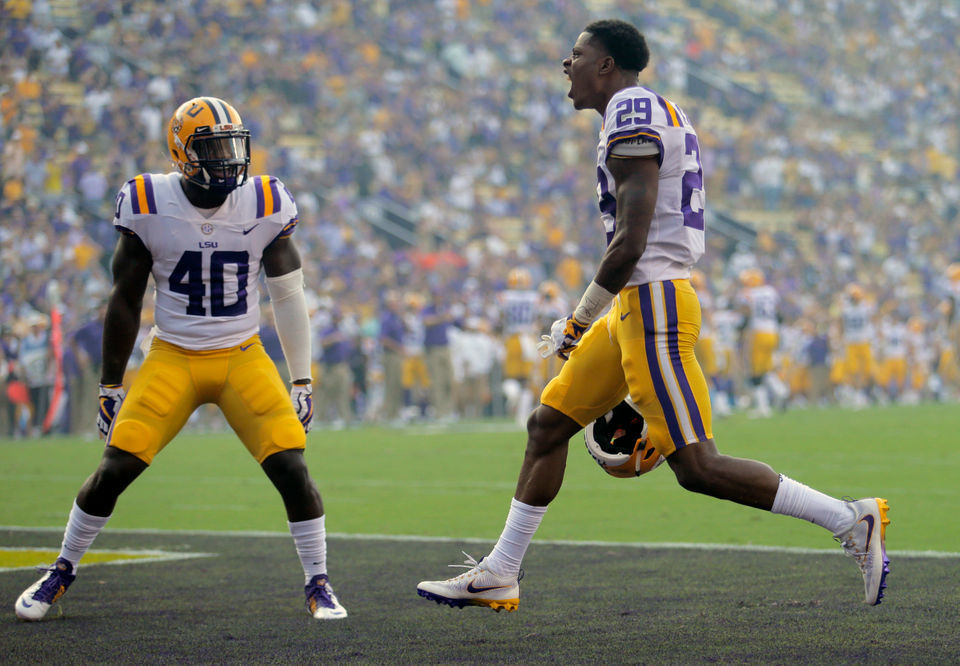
x=949, y=361
x=920, y=360
x=416, y=379
x=892, y=366
x=726, y=322
x=651, y=203
x=856, y=320
x=760, y=304
x=518, y=315
x=438, y=321
x=553, y=304
x=204, y=232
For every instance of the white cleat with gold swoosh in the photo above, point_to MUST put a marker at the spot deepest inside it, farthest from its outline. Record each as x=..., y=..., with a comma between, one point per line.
x=477, y=586
x=865, y=542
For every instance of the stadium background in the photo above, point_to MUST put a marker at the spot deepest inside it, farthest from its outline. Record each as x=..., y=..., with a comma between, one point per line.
x=429, y=157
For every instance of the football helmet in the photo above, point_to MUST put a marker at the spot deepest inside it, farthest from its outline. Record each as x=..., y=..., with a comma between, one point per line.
x=209, y=144
x=855, y=292
x=518, y=278
x=618, y=442
x=751, y=277
x=550, y=289
x=953, y=272
x=698, y=279
x=413, y=301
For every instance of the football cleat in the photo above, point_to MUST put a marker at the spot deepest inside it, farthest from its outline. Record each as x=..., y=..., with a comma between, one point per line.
x=477, y=586
x=866, y=543
x=322, y=603
x=37, y=599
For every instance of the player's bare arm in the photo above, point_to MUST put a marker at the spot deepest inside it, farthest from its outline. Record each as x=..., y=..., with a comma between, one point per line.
x=281, y=257
x=637, y=181
x=131, y=270
x=637, y=185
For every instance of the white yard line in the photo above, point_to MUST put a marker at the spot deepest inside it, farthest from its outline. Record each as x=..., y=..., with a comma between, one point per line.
x=929, y=554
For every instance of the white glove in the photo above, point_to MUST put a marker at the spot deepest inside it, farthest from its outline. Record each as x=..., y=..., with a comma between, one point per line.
x=302, y=397
x=111, y=397
x=564, y=335
x=549, y=344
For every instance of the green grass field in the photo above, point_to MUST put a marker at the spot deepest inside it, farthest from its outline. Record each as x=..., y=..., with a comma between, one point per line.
x=458, y=482
x=629, y=603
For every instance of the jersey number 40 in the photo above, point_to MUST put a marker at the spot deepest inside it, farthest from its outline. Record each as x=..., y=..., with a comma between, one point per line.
x=187, y=278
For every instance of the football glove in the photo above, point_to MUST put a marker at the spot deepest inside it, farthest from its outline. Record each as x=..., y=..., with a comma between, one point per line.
x=549, y=343
x=302, y=397
x=564, y=336
x=111, y=397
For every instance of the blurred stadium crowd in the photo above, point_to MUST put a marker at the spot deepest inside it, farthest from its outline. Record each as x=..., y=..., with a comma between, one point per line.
x=438, y=167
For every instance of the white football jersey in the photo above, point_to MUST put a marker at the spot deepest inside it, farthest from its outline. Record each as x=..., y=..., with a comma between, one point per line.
x=920, y=348
x=206, y=269
x=551, y=309
x=894, y=335
x=638, y=121
x=414, y=334
x=763, y=303
x=518, y=310
x=857, y=327
x=726, y=326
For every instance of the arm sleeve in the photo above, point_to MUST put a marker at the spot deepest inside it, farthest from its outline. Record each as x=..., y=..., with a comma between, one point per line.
x=292, y=321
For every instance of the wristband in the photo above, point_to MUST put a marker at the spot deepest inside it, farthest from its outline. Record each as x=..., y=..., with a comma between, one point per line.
x=595, y=299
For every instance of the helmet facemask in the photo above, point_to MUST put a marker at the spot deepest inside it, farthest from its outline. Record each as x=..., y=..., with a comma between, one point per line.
x=218, y=160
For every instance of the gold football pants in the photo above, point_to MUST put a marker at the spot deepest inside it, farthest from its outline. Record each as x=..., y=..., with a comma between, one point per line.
x=173, y=382
x=644, y=346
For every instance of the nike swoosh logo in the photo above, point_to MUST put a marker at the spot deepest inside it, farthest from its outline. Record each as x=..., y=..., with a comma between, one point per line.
x=23, y=602
x=471, y=588
x=869, y=520
x=242, y=348
x=247, y=231
x=624, y=316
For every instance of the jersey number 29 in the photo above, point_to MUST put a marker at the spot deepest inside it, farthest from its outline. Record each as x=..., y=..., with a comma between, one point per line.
x=691, y=195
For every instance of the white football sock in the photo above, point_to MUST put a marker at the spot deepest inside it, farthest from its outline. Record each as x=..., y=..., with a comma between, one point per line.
x=721, y=404
x=800, y=501
x=524, y=407
x=82, y=529
x=522, y=521
x=310, y=539
x=762, y=399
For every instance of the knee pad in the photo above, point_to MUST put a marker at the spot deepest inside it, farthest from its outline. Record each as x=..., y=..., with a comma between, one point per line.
x=135, y=437
x=280, y=434
x=288, y=434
